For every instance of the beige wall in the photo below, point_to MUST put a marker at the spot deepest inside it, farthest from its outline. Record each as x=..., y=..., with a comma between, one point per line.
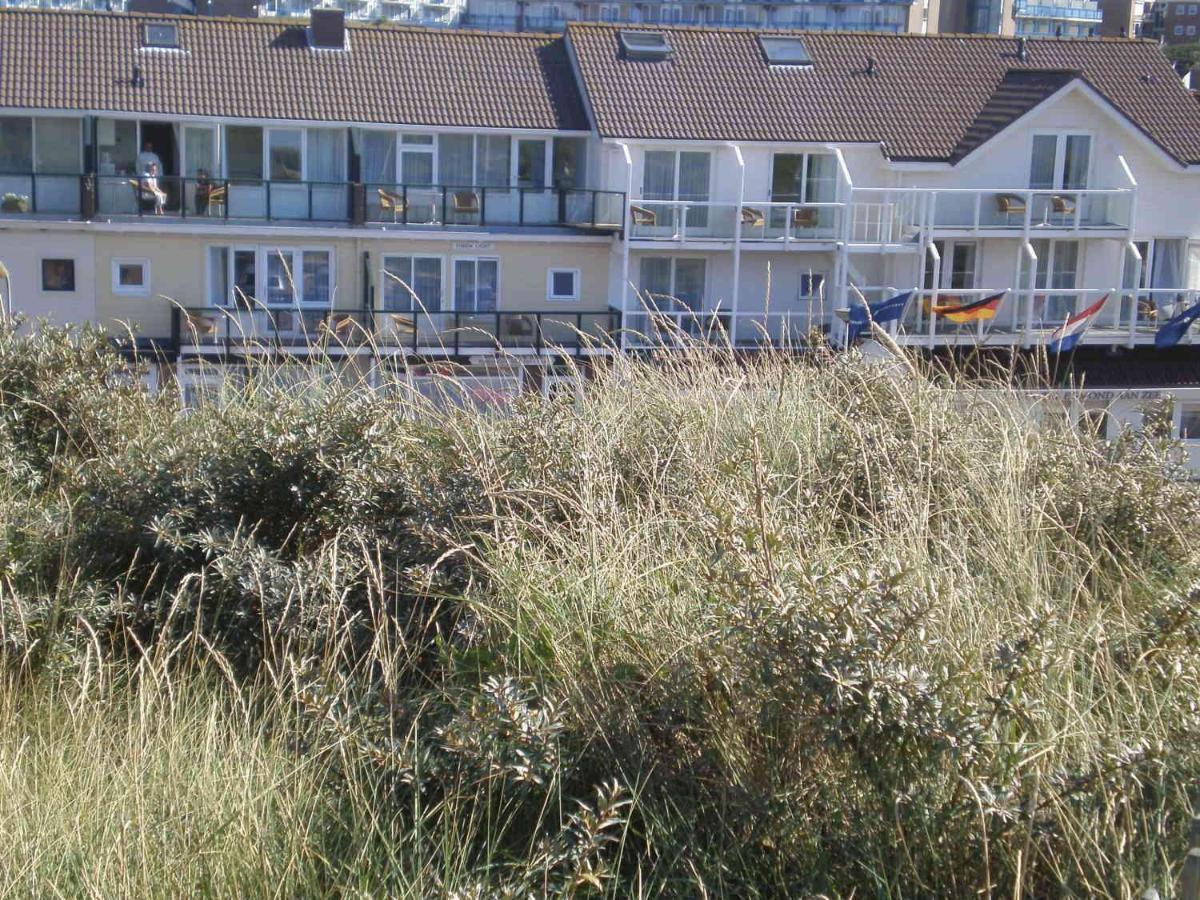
x=22, y=252
x=177, y=271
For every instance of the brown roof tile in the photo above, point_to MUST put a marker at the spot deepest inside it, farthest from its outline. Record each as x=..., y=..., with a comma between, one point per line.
x=247, y=68
x=930, y=97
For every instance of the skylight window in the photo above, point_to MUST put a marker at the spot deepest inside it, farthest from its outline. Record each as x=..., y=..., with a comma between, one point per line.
x=160, y=34
x=785, y=51
x=648, y=45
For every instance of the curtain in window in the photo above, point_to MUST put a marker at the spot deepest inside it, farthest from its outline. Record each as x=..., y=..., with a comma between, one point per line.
x=316, y=276
x=58, y=146
x=1168, y=264
x=407, y=275
x=378, y=157
x=326, y=154
x=427, y=282
x=198, y=150
x=487, y=286
x=689, y=283
x=464, y=285
x=16, y=144
x=1042, y=163
x=1075, y=161
x=218, y=276
x=655, y=281
x=493, y=160
x=658, y=179
x=693, y=175
x=456, y=159
x=416, y=165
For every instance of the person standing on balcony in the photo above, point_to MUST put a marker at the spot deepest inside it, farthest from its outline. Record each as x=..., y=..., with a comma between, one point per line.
x=148, y=158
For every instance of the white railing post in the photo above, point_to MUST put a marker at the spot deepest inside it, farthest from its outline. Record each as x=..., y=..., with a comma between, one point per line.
x=628, y=157
x=1138, y=262
x=1032, y=257
x=737, y=246
x=932, y=249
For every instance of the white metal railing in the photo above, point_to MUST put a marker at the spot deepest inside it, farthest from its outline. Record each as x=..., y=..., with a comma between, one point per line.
x=994, y=208
x=682, y=220
x=886, y=215
x=784, y=222
x=1144, y=311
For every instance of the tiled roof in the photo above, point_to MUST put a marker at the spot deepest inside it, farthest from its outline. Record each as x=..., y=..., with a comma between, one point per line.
x=247, y=68
x=922, y=100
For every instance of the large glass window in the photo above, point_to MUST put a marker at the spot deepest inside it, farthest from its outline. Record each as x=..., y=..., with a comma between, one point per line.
x=116, y=143
x=803, y=178
x=286, y=156
x=412, y=283
x=316, y=285
x=326, y=154
x=531, y=164
x=679, y=175
x=493, y=160
x=416, y=159
x=456, y=159
x=58, y=146
x=378, y=158
x=1060, y=161
x=198, y=143
x=218, y=276
x=570, y=160
x=669, y=284
x=244, y=152
x=16, y=144
x=245, y=281
x=476, y=285
x=958, y=265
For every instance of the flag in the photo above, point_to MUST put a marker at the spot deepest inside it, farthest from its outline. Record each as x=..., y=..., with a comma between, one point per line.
x=970, y=312
x=1175, y=328
x=881, y=312
x=1067, y=335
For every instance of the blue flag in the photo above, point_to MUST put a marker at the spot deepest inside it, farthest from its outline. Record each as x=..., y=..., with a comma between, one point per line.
x=1174, y=329
x=881, y=312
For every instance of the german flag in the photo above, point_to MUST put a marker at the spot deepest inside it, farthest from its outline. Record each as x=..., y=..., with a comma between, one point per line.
x=971, y=312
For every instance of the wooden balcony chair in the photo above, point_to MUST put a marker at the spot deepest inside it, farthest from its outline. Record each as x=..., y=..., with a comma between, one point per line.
x=217, y=199
x=393, y=203
x=1009, y=205
x=339, y=325
x=466, y=202
x=642, y=217
x=752, y=217
x=1062, y=205
x=201, y=326
x=403, y=323
x=805, y=217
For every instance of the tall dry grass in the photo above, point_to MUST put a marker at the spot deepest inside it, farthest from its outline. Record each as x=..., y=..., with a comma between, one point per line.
x=782, y=627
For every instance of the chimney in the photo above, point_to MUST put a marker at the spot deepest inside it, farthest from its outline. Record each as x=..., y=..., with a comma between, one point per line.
x=1022, y=50
x=327, y=28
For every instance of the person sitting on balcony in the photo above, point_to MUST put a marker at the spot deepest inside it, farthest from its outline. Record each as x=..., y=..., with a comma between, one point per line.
x=148, y=187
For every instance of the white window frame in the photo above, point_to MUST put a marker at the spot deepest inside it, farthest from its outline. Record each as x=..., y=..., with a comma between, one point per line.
x=414, y=255
x=431, y=149
x=558, y=270
x=674, y=291
x=128, y=290
x=1060, y=157
x=547, y=160
x=454, y=261
x=808, y=155
x=261, y=253
x=1178, y=31
x=267, y=132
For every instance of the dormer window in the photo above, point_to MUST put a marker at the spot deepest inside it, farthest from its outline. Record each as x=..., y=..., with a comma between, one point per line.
x=160, y=34
x=784, y=51
x=651, y=46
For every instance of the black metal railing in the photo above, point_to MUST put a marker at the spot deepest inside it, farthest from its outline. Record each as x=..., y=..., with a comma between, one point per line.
x=417, y=331
x=90, y=196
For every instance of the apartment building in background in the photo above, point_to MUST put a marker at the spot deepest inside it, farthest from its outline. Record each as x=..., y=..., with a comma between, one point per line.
x=403, y=197
x=1173, y=22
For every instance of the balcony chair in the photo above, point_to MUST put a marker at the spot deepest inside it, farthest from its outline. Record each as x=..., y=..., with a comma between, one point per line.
x=752, y=217
x=201, y=326
x=339, y=325
x=466, y=202
x=1009, y=205
x=642, y=217
x=518, y=326
x=393, y=203
x=147, y=199
x=403, y=323
x=216, y=200
x=804, y=217
x=1062, y=205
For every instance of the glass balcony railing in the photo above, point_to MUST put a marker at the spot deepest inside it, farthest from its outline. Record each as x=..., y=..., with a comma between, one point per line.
x=252, y=201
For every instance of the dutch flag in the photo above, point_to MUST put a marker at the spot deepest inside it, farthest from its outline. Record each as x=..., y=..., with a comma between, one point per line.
x=1067, y=335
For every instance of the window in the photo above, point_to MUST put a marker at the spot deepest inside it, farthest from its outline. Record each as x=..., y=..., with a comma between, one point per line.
x=671, y=175
x=466, y=160
x=958, y=265
x=289, y=277
x=406, y=276
x=670, y=283
x=159, y=34
x=569, y=163
x=1189, y=422
x=244, y=152
x=286, y=158
x=1060, y=161
x=476, y=285
x=650, y=46
x=16, y=144
x=812, y=286
x=803, y=178
x=131, y=276
x=785, y=51
x=58, y=275
x=531, y=163
x=610, y=13
x=416, y=159
x=1193, y=9
x=378, y=157
x=1178, y=30
x=326, y=154
x=117, y=143
x=1057, y=268
x=59, y=148
x=1191, y=30
x=562, y=284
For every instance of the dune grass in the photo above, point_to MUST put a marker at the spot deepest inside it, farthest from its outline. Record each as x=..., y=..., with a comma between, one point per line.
x=799, y=626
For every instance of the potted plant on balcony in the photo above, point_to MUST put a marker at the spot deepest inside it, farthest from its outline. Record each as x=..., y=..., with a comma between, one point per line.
x=14, y=203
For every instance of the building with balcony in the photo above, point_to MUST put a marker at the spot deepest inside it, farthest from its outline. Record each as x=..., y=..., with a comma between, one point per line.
x=403, y=197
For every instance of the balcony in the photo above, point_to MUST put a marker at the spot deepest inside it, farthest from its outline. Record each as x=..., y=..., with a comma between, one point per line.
x=417, y=332
x=1053, y=11
x=1018, y=210
x=254, y=202
x=759, y=222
